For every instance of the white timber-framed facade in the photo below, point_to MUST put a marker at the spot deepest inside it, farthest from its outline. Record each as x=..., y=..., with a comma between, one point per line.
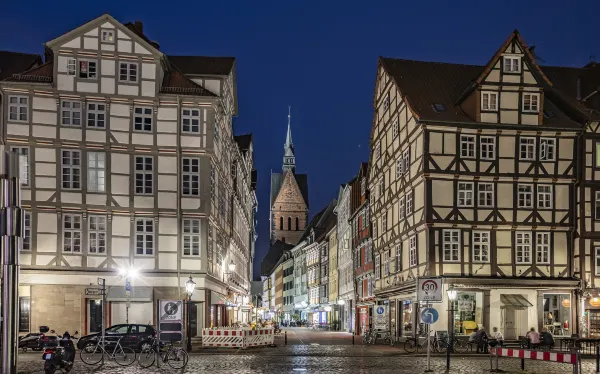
x=132, y=167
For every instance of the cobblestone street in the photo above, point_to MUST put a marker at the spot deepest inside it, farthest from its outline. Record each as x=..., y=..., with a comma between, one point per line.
x=315, y=359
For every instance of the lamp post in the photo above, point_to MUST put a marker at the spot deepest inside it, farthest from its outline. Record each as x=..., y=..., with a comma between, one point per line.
x=231, y=268
x=451, y=298
x=190, y=285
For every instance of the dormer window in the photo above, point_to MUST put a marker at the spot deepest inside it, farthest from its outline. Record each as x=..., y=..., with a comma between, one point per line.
x=512, y=64
x=489, y=101
x=108, y=36
x=531, y=103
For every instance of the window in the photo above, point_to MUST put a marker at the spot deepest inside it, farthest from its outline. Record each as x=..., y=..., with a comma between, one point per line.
x=395, y=128
x=297, y=225
x=489, y=101
x=544, y=196
x=280, y=223
x=547, y=149
x=142, y=120
x=18, y=108
x=530, y=102
x=451, y=245
x=377, y=267
x=289, y=223
x=467, y=146
x=97, y=234
x=412, y=251
x=381, y=186
x=406, y=161
x=401, y=208
x=71, y=66
x=512, y=64
x=384, y=222
x=543, y=247
x=26, y=231
x=71, y=169
x=72, y=233
x=527, y=148
x=487, y=146
x=23, y=163
x=363, y=186
x=399, y=258
x=597, y=155
x=191, y=237
x=190, y=120
x=597, y=205
x=386, y=103
x=24, y=313
x=465, y=194
x=144, y=236
x=409, y=203
x=144, y=175
x=385, y=259
x=378, y=151
x=399, y=168
x=96, y=171
x=486, y=195
x=128, y=72
x=190, y=176
x=70, y=113
x=523, y=247
x=525, y=196
x=108, y=36
x=87, y=69
x=96, y=115
x=481, y=246
x=597, y=250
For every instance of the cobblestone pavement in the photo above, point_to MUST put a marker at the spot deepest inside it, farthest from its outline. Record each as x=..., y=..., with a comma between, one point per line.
x=330, y=360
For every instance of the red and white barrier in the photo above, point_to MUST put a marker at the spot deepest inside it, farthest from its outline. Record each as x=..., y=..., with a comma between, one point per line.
x=566, y=358
x=237, y=338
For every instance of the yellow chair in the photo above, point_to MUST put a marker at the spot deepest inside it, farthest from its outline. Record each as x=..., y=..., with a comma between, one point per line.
x=469, y=326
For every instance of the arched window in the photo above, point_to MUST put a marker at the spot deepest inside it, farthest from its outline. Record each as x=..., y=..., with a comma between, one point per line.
x=297, y=225
x=289, y=223
x=280, y=223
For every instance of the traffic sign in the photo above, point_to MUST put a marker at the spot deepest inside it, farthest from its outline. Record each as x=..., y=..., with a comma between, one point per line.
x=94, y=292
x=429, y=315
x=430, y=290
x=127, y=287
x=380, y=319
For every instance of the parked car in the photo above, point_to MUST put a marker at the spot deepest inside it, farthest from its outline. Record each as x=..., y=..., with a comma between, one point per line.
x=134, y=336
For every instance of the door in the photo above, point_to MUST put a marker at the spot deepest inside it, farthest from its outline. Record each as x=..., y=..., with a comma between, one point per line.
x=94, y=316
x=196, y=319
x=510, y=323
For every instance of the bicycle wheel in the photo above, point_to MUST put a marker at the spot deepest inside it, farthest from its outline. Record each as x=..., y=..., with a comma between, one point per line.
x=147, y=358
x=440, y=346
x=177, y=358
x=460, y=346
x=124, y=356
x=91, y=354
x=410, y=346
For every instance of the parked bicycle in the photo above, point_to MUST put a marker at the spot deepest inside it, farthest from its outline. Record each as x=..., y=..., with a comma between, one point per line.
x=413, y=345
x=177, y=358
x=458, y=345
x=93, y=353
x=388, y=338
x=368, y=337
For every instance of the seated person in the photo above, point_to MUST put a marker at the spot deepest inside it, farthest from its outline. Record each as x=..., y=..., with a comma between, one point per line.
x=533, y=337
x=498, y=336
x=481, y=338
x=546, y=338
x=473, y=335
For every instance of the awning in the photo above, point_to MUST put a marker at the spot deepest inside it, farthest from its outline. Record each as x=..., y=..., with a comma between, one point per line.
x=141, y=293
x=515, y=301
x=219, y=299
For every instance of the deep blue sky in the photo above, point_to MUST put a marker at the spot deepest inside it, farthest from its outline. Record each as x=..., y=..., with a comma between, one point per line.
x=320, y=57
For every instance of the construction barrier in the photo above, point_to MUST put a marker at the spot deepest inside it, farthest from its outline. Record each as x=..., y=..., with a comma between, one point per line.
x=526, y=354
x=237, y=338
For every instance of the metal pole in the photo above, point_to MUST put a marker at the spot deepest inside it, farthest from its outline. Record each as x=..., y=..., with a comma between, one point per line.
x=102, y=282
x=450, y=316
x=428, y=349
x=189, y=324
x=11, y=242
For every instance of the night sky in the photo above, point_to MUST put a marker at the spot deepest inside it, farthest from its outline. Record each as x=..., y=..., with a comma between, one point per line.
x=320, y=57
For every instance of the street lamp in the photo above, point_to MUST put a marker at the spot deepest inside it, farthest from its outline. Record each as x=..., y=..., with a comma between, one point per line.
x=451, y=298
x=231, y=268
x=190, y=286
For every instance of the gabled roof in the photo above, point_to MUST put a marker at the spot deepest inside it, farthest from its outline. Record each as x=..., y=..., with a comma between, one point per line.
x=203, y=65
x=318, y=223
x=175, y=82
x=16, y=62
x=276, y=250
x=277, y=180
x=40, y=74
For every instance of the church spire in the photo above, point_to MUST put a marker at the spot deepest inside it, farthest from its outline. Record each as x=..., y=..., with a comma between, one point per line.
x=289, y=160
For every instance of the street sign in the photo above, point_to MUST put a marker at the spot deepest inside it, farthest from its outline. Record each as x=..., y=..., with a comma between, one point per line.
x=380, y=320
x=170, y=325
x=127, y=287
x=94, y=292
x=171, y=310
x=430, y=290
x=429, y=315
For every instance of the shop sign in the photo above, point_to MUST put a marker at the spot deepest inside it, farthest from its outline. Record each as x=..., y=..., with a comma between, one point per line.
x=465, y=304
x=380, y=319
x=430, y=290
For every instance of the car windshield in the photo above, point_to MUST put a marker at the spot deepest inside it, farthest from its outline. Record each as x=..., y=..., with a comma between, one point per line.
x=118, y=329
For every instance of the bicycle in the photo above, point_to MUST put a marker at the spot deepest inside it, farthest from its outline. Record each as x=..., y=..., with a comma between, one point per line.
x=168, y=354
x=388, y=338
x=92, y=353
x=368, y=337
x=458, y=345
x=412, y=345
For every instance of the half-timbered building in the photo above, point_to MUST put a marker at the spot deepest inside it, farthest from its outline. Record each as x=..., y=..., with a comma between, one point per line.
x=346, y=288
x=473, y=178
x=130, y=167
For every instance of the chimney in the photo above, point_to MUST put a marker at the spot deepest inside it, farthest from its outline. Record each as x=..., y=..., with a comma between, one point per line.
x=139, y=25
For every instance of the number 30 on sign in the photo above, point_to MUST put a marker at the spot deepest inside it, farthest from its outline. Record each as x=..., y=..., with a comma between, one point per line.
x=430, y=290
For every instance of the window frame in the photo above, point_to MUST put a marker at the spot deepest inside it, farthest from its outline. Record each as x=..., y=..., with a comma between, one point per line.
x=531, y=96
x=74, y=169
x=100, y=172
x=145, y=234
x=401, y=207
x=485, y=194
x=146, y=174
x=24, y=170
x=399, y=258
x=489, y=95
x=510, y=65
x=467, y=146
x=95, y=224
x=143, y=116
x=191, y=118
x=551, y=145
x=448, y=244
x=523, y=246
x=406, y=161
x=75, y=233
x=468, y=201
x=72, y=112
x=107, y=32
x=544, y=196
x=193, y=237
x=485, y=149
x=412, y=251
x=377, y=266
x=71, y=66
x=191, y=174
x=409, y=203
x=384, y=222
x=89, y=62
x=399, y=167
x=92, y=119
x=18, y=106
x=597, y=260
x=542, y=246
x=597, y=205
x=483, y=246
x=395, y=128
x=129, y=72
x=525, y=194
x=27, y=217
x=525, y=145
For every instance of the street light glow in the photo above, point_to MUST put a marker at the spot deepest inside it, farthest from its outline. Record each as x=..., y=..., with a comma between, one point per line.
x=232, y=266
x=128, y=272
x=341, y=302
x=190, y=286
x=452, y=293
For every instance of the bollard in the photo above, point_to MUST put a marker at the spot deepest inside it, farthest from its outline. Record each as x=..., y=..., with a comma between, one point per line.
x=352, y=338
x=522, y=364
x=598, y=359
x=285, y=335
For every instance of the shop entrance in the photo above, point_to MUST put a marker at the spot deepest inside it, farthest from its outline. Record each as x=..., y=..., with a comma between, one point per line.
x=94, y=316
x=197, y=318
x=515, y=322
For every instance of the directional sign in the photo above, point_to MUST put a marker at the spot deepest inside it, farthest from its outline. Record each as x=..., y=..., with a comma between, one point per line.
x=127, y=287
x=94, y=292
x=429, y=315
x=380, y=319
x=430, y=290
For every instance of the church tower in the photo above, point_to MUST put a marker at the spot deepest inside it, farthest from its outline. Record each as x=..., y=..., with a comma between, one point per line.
x=289, y=196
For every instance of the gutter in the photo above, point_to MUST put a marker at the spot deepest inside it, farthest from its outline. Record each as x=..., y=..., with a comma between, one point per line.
x=477, y=125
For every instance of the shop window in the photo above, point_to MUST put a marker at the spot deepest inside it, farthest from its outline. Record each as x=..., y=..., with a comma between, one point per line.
x=407, y=320
x=557, y=314
x=468, y=312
